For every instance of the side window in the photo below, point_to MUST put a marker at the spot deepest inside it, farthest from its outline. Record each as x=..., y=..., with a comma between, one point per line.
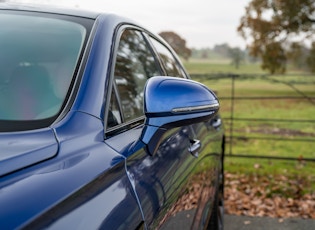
x=170, y=64
x=135, y=64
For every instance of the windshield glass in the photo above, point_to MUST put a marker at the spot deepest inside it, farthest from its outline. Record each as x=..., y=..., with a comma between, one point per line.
x=38, y=57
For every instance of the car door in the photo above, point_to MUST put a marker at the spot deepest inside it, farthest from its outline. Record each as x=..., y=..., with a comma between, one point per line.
x=164, y=182
x=206, y=145
x=209, y=163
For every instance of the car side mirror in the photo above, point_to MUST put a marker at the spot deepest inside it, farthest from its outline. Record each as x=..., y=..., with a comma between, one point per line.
x=171, y=102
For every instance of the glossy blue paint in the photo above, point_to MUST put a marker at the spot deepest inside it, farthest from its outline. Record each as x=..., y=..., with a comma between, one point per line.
x=95, y=71
x=96, y=75
x=81, y=152
x=76, y=160
x=97, y=205
x=22, y=149
x=70, y=175
x=164, y=94
x=154, y=177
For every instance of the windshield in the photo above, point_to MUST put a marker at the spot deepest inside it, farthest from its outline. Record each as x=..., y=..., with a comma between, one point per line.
x=38, y=57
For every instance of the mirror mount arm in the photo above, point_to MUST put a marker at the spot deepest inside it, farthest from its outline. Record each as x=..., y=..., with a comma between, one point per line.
x=151, y=137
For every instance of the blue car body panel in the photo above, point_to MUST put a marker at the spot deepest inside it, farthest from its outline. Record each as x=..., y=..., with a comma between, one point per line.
x=162, y=181
x=22, y=149
x=83, y=159
x=95, y=70
x=71, y=176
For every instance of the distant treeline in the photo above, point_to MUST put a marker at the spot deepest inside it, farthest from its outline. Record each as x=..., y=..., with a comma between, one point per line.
x=296, y=57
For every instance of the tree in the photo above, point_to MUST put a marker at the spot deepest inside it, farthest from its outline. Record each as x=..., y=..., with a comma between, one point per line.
x=297, y=55
x=311, y=58
x=177, y=43
x=272, y=25
x=237, y=56
x=222, y=49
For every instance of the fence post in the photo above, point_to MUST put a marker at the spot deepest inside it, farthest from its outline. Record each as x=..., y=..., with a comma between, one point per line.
x=233, y=76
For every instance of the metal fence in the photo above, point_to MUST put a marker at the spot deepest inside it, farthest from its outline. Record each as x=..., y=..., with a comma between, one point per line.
x=275, y=113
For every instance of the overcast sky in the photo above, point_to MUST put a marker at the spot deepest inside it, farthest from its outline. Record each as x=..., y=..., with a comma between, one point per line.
x=202, y=23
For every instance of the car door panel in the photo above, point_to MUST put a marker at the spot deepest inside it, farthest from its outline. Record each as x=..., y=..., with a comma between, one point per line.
x=172, y=174
x=84, y=187
x=208, y=171
x=173, y=180
x=90, y=208
x=158, y=179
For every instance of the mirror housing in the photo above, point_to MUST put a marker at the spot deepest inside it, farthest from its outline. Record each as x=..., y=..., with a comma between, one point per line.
x=171, y=102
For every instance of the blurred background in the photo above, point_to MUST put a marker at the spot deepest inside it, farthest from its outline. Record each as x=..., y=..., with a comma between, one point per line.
x=259, y=57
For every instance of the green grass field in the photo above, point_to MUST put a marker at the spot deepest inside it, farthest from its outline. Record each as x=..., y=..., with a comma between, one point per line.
x=224, y=66
x=286, y=110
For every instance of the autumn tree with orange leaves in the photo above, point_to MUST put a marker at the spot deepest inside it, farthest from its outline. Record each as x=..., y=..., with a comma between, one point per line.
x=273, y=28
x=177, y=43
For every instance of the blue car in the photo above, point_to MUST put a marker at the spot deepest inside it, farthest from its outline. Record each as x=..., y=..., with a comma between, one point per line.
x=101, y=127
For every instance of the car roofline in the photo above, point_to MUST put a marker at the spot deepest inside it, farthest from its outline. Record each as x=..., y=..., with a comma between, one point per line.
x=50, y=9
